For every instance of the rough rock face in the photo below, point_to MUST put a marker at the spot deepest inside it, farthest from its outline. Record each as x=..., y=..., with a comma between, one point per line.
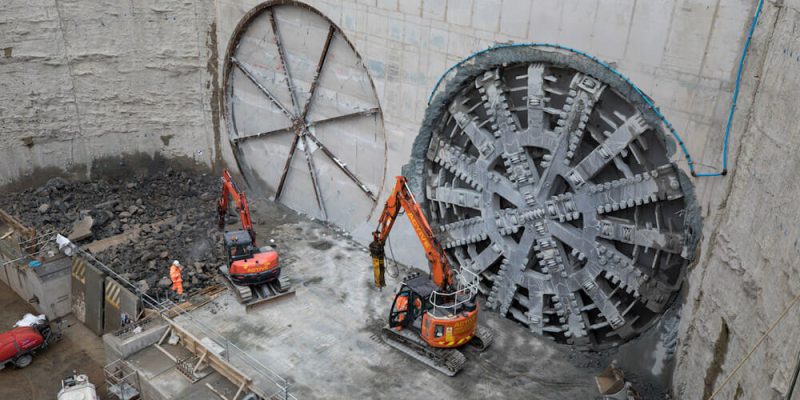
x=749, y=270
x=170, y=216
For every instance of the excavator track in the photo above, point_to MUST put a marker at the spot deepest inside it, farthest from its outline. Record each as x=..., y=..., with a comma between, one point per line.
x=483, y=338
x=446, y=361
x=252, y=296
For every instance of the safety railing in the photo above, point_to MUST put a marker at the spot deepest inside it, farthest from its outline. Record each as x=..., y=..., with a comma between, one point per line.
x=466, y=288
x=271, y=384
x=25, y=249
x=122, y=380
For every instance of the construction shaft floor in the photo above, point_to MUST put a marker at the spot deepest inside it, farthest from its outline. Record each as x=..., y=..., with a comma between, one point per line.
x=326, y=338
x=324, y=341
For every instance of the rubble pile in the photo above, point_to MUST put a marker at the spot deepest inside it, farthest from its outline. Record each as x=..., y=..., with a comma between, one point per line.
x=158, y=218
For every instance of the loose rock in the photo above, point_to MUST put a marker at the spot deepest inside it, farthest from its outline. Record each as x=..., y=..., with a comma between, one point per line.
x=164, y=283
x=82, y=229
x=171, y=221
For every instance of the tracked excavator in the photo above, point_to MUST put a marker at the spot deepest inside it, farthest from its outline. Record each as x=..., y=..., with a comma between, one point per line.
x=433, y=315
x=252, y=272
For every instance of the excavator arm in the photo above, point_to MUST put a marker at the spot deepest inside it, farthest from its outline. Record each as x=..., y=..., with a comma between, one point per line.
x=231, y=190
x=402, y=198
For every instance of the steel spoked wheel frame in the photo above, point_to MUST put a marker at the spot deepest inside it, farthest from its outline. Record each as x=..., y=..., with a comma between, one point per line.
x=543, y=173
x=298, y=111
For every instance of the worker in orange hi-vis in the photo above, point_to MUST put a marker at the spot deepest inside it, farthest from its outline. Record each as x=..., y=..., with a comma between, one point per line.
x=176, y=278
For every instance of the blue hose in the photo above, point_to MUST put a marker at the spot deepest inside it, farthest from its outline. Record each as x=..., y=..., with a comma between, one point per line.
x=736, y=88
x=644, y=97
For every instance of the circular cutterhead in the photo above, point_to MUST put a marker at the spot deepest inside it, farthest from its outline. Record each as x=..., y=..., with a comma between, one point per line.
x=542, y=171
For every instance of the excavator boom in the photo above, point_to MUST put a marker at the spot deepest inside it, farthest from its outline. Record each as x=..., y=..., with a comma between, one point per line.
x=402, y=198
x=231, y=190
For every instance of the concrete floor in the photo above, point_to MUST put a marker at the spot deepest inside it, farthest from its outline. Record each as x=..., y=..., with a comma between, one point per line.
x=325, y=339
x=79, y=350
x=157, y=371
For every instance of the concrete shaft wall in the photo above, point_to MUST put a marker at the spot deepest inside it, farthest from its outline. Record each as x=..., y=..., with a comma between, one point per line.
x=682, y=53
x=84, y=80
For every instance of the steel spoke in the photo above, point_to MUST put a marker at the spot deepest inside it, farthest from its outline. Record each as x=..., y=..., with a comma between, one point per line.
x=601, y=300
x=458, y=197
x=501, y=186
x=552, y=169
x=364, y=113
x=645, y=188
x=282, y=55
x=496, y=102
x=608, y=150
x=288, y=129
x=263, y=89
x=547, y=140
x=521, y=168
x=584, y=92
x=480, y=138
x=288, y=164
x=647, y=237
x=455, y=159
x=571, y=236
x=482, y=261
x=535, y=100
x=463, y=232
x=342, y=166
x=313, y=172
x=317, y=73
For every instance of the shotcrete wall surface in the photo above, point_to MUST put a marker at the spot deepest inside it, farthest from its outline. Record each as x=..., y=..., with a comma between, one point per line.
x=84, y=80
x=748, y=271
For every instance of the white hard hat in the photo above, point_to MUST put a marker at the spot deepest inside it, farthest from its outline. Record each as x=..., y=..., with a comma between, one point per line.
x=176, y=262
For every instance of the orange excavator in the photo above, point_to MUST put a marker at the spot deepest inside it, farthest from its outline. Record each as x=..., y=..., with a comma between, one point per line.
x=431, y=316
x=254, y=272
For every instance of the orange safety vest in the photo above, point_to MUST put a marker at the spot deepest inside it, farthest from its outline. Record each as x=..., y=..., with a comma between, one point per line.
x=402, y=305
x=177, y=279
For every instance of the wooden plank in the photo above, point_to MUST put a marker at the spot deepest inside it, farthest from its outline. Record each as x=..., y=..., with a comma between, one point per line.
x=229, y=371
x=28, y=233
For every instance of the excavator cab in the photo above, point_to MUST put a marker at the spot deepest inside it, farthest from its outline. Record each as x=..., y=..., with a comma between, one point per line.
x=442, y=320
x=250, y=265
x=406, y=308
x=238, y=246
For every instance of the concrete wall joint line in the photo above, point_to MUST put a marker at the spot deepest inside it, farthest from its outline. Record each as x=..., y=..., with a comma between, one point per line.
x=68, y=61
x=201, y=79
x=669, y=24
x=709, y=37
x=630, y=29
